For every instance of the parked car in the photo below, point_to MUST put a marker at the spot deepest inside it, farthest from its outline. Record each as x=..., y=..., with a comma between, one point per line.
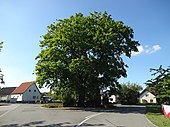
x=46, y=99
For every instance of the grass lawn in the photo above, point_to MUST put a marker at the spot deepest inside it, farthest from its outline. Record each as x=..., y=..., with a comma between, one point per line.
x=53, y=105
x=155, y=115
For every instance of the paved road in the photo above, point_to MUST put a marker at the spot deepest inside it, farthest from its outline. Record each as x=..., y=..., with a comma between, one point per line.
x=32, y=115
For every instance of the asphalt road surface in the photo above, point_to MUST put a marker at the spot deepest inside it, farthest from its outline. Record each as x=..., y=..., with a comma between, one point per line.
x=33, y=115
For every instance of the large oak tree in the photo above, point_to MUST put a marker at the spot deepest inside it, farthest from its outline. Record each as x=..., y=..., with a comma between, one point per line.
x=84, y=53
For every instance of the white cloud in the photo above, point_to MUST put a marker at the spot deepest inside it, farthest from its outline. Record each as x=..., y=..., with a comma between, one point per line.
x=140, y=50
x=156, y=48
x=147, y=49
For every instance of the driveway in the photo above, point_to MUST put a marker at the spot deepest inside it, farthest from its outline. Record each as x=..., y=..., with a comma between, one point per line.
x=24, y=115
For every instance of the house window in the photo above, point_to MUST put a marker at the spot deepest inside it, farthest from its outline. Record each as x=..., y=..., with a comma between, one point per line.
x=146, y=95
x=151, y=100
x=29, y=90
x=111, y=99
x=37, y=97
x=144, y=101
x=34, y=90
x=34, y=97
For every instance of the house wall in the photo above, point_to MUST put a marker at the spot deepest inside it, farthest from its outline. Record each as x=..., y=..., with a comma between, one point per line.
x=8, y=97
x=31, y=94
x=18, y=96
x=5, y=98
x=147, y=96
x=112, y=99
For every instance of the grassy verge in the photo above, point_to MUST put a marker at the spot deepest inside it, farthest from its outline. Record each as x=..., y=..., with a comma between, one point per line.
x=53, y=105
x=155, y=115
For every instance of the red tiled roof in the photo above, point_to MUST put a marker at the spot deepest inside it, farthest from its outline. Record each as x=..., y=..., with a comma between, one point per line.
x=22, y=88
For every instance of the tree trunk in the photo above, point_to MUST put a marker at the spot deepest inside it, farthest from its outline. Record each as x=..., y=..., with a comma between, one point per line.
x=98, y=98
x=81, y=99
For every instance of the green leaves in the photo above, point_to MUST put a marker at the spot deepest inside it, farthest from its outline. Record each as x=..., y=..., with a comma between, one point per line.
x=129, y=93
x=160, y=84
x=1, y=45
x=84, y=52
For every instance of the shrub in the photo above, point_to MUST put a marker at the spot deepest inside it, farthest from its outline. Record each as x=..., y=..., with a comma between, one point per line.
x=54, y=105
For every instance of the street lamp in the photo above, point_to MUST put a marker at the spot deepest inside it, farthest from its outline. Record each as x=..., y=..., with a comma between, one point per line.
x=1, y=78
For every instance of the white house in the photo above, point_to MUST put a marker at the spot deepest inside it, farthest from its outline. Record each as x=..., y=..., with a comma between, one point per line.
x=112, y=99
x=5, y=93
x=147, y=97
x=26, y=92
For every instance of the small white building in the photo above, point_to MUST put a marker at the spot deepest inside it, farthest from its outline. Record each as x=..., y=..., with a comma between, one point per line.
x=5, y=93
x=147, y=97
x=26, y=92
x=112, y=99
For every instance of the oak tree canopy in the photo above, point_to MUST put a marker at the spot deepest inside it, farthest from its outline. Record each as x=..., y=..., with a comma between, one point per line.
x=84, y=53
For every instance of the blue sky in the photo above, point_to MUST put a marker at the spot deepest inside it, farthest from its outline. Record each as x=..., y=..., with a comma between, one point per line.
x=23, y=22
